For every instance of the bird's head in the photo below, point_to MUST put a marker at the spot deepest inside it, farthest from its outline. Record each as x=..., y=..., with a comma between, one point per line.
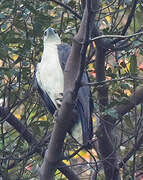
x=50, y=36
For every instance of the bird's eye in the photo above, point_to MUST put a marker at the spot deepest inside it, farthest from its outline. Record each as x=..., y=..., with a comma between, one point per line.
x=45, y=33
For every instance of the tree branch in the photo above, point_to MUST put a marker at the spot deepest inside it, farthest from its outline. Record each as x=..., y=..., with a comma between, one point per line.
x=129, y=20
x=105, y=135
x=134, y=100
x=14, y=122
x=117, y=36
x=67, y=8
x=132, y=151
x=29, y=137
x=72, y=70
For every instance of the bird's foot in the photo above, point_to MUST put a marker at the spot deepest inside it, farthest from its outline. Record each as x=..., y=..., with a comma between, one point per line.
x=55, y=115
x=73, y=120
x=59, y=100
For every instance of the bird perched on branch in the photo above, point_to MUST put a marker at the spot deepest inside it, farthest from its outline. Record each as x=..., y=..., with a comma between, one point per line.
x=50, y=83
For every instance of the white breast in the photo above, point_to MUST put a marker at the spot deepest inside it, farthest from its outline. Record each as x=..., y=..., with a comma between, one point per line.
x=49, y=73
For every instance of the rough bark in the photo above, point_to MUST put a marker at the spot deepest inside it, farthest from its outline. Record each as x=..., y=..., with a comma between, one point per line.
x=14, y=122
x=105, y=136
x=72, y=70
x=106, y=139
x=30, y=139
x=134, y=100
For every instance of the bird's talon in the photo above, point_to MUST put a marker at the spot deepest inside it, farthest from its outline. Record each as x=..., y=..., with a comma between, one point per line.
x=58, y=105
x=55, y=114
x=59, y=100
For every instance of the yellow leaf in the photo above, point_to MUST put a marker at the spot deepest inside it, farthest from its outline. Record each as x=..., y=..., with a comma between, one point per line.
x=66, y=162
x=91, y=67
x=82, y=153
x=128, y=92
x=13, y=45
x=43, y=118
x=94, y=119
x=14, y=57
x=17, y=116
x=108, y=18
x=53, y=14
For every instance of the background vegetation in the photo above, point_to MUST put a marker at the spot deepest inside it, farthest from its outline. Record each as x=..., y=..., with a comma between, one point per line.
x=25, y=124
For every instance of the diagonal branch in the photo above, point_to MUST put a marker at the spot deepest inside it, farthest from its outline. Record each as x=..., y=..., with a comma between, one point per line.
x=67, y=8
x=105, y=135
x=54, y=151
x=29, y=137
x=14, y=122
x=135, y=99
x=129, y=20
x=132, y=151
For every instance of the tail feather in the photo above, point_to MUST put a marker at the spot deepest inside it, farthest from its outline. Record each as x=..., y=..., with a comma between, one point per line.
x=80, y=130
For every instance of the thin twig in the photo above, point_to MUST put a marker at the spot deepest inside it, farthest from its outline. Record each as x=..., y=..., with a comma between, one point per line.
x=129, y=20
x=106, y=81
x=116, y=36
x=68, y=8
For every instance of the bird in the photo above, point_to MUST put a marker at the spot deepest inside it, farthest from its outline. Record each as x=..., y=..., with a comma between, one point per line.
x=49, y=78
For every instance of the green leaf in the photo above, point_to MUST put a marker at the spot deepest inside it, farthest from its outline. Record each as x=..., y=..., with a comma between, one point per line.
x=125, y=86
x=111, y=112
x=3, y=52
x=4, y=26
x=30, y=8
x=133, y=65
x=2, y=16
x=128, y=2
x=37, y=29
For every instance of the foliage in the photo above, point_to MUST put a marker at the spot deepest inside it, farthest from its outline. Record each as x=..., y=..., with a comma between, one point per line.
x=22, y=24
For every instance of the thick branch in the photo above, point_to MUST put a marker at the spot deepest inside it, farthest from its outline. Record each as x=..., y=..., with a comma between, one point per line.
x=14, y=122
x=54, y=152
x=134, y=100
x=105, y=136
x=132, y=151
x=104, y=133
x=129, y=20
x=29, y=137
x=67, y=8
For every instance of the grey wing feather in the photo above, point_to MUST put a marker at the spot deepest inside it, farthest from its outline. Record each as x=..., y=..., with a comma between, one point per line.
x=84, y=103
x=47, y=100
x=63, y=52
x=85, y=98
